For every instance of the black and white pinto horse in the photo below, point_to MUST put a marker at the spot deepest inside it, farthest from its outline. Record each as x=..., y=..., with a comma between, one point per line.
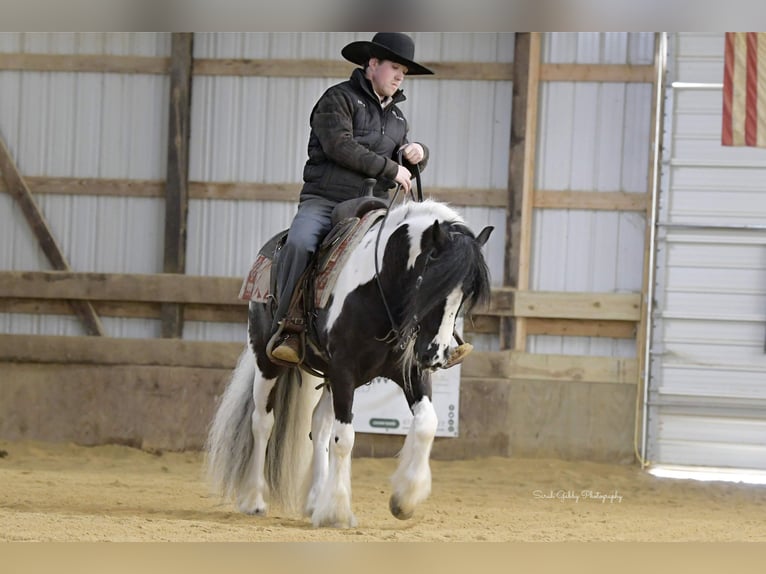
x=288, y=435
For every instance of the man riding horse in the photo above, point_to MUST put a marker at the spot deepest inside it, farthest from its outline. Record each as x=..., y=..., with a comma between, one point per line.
x=357, y=131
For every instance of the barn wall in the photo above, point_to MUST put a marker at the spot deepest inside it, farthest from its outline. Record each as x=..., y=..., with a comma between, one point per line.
x=574, y=398
x=593, y=136
x=85, y=125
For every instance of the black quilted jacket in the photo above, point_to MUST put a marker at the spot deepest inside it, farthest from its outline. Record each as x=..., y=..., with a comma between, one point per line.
x=353, y=138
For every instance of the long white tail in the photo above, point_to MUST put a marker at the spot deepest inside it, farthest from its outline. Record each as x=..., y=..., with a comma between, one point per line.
x=289, y=454
x=230, y=444
x=230, y=441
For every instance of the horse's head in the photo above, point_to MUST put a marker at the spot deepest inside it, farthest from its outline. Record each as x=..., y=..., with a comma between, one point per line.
x=450, y=278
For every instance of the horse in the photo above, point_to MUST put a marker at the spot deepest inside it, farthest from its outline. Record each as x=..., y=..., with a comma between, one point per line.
x=285, y=433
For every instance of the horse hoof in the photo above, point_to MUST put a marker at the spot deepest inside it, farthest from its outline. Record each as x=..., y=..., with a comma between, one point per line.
x=397, y=511
x=254, y=510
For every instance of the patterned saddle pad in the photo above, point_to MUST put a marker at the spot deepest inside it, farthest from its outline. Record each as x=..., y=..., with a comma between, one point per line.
x=259, y=285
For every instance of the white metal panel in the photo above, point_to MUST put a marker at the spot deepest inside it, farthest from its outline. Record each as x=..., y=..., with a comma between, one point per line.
x=707, y=398
x=698, y=57
x=591, y=137
x=699, y=440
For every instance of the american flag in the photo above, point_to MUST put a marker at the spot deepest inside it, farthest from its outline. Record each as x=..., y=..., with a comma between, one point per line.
x=744, y=90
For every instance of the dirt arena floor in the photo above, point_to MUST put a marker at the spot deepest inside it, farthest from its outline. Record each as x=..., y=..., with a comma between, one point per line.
x=113, y=493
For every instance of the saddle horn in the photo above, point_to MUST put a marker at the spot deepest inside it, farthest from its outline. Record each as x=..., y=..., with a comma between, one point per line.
x=367, y=186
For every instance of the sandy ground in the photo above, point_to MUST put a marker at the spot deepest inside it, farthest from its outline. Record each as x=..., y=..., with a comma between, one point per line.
x=71, y=493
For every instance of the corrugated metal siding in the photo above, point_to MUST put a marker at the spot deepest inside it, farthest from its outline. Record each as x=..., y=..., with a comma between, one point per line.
x=86, y=125
x=594, y=137
x=708, y=368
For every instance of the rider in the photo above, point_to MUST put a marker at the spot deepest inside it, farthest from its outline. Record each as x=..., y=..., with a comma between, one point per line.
x=357, y=131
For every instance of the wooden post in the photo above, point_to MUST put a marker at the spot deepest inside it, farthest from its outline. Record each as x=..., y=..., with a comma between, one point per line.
x=18, y=189
x=526, y=79
x=177, y=186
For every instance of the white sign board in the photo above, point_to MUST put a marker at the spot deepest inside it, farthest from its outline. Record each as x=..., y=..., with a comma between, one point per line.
x=380, y=406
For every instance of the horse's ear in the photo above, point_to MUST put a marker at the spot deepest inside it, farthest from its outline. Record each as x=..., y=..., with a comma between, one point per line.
x=438, y=234
x=484, y=235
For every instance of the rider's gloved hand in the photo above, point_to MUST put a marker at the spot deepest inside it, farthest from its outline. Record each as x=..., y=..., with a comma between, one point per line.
x=403, y=177
x=413, y=152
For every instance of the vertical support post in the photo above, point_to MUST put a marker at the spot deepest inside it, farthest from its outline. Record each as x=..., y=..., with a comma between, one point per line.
x=644, y=328
x=526, y=80
x=177, y=183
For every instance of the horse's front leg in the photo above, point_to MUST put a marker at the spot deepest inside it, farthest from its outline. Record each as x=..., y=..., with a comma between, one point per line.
x=412, y=480
x=333, y=504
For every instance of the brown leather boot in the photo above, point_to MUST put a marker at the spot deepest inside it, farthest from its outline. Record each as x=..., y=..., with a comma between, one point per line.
x=288, y=350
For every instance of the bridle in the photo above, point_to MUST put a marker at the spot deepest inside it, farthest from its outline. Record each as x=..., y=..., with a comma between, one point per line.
x=395, y=334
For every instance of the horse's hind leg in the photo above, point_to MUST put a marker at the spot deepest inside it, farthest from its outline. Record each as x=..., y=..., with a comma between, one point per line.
x=252, y=497
x=412, y=479
x=321, y=428
x=333, y=505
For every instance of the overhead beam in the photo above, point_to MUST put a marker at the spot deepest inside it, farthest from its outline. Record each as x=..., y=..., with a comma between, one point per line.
x=618, y=73
x=275, y=68
x=92, y=63
x=590, y=200
x=235, y=190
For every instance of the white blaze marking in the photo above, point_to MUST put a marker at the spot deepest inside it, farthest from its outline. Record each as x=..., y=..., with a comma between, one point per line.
x=451, y=308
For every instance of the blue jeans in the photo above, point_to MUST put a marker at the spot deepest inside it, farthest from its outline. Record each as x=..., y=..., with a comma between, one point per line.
x=310, y=225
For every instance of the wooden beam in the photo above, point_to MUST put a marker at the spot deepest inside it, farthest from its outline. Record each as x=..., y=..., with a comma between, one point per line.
x=581, y=328
x=176, y=187
x=15, y=185
x=509, y=365
x=156, y=288
x=204, y=312
x=521, y=172
x=507, y=302
x=99, y=63
x=515, y=178
x=621, y=73
x=564, y=305
x=469, y=196
x=119, y=351
x=203, y=290
x=307, y=68
x=465, y=196
x=214, y=313
x=595, y=200
x=517, y=365
x=94, y=186
x=275, y=68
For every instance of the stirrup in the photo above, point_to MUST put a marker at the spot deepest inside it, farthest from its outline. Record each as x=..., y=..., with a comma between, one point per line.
x=276, y=341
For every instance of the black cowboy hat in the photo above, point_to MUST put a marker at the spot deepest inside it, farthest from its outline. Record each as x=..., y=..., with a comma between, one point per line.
x=394, y=46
